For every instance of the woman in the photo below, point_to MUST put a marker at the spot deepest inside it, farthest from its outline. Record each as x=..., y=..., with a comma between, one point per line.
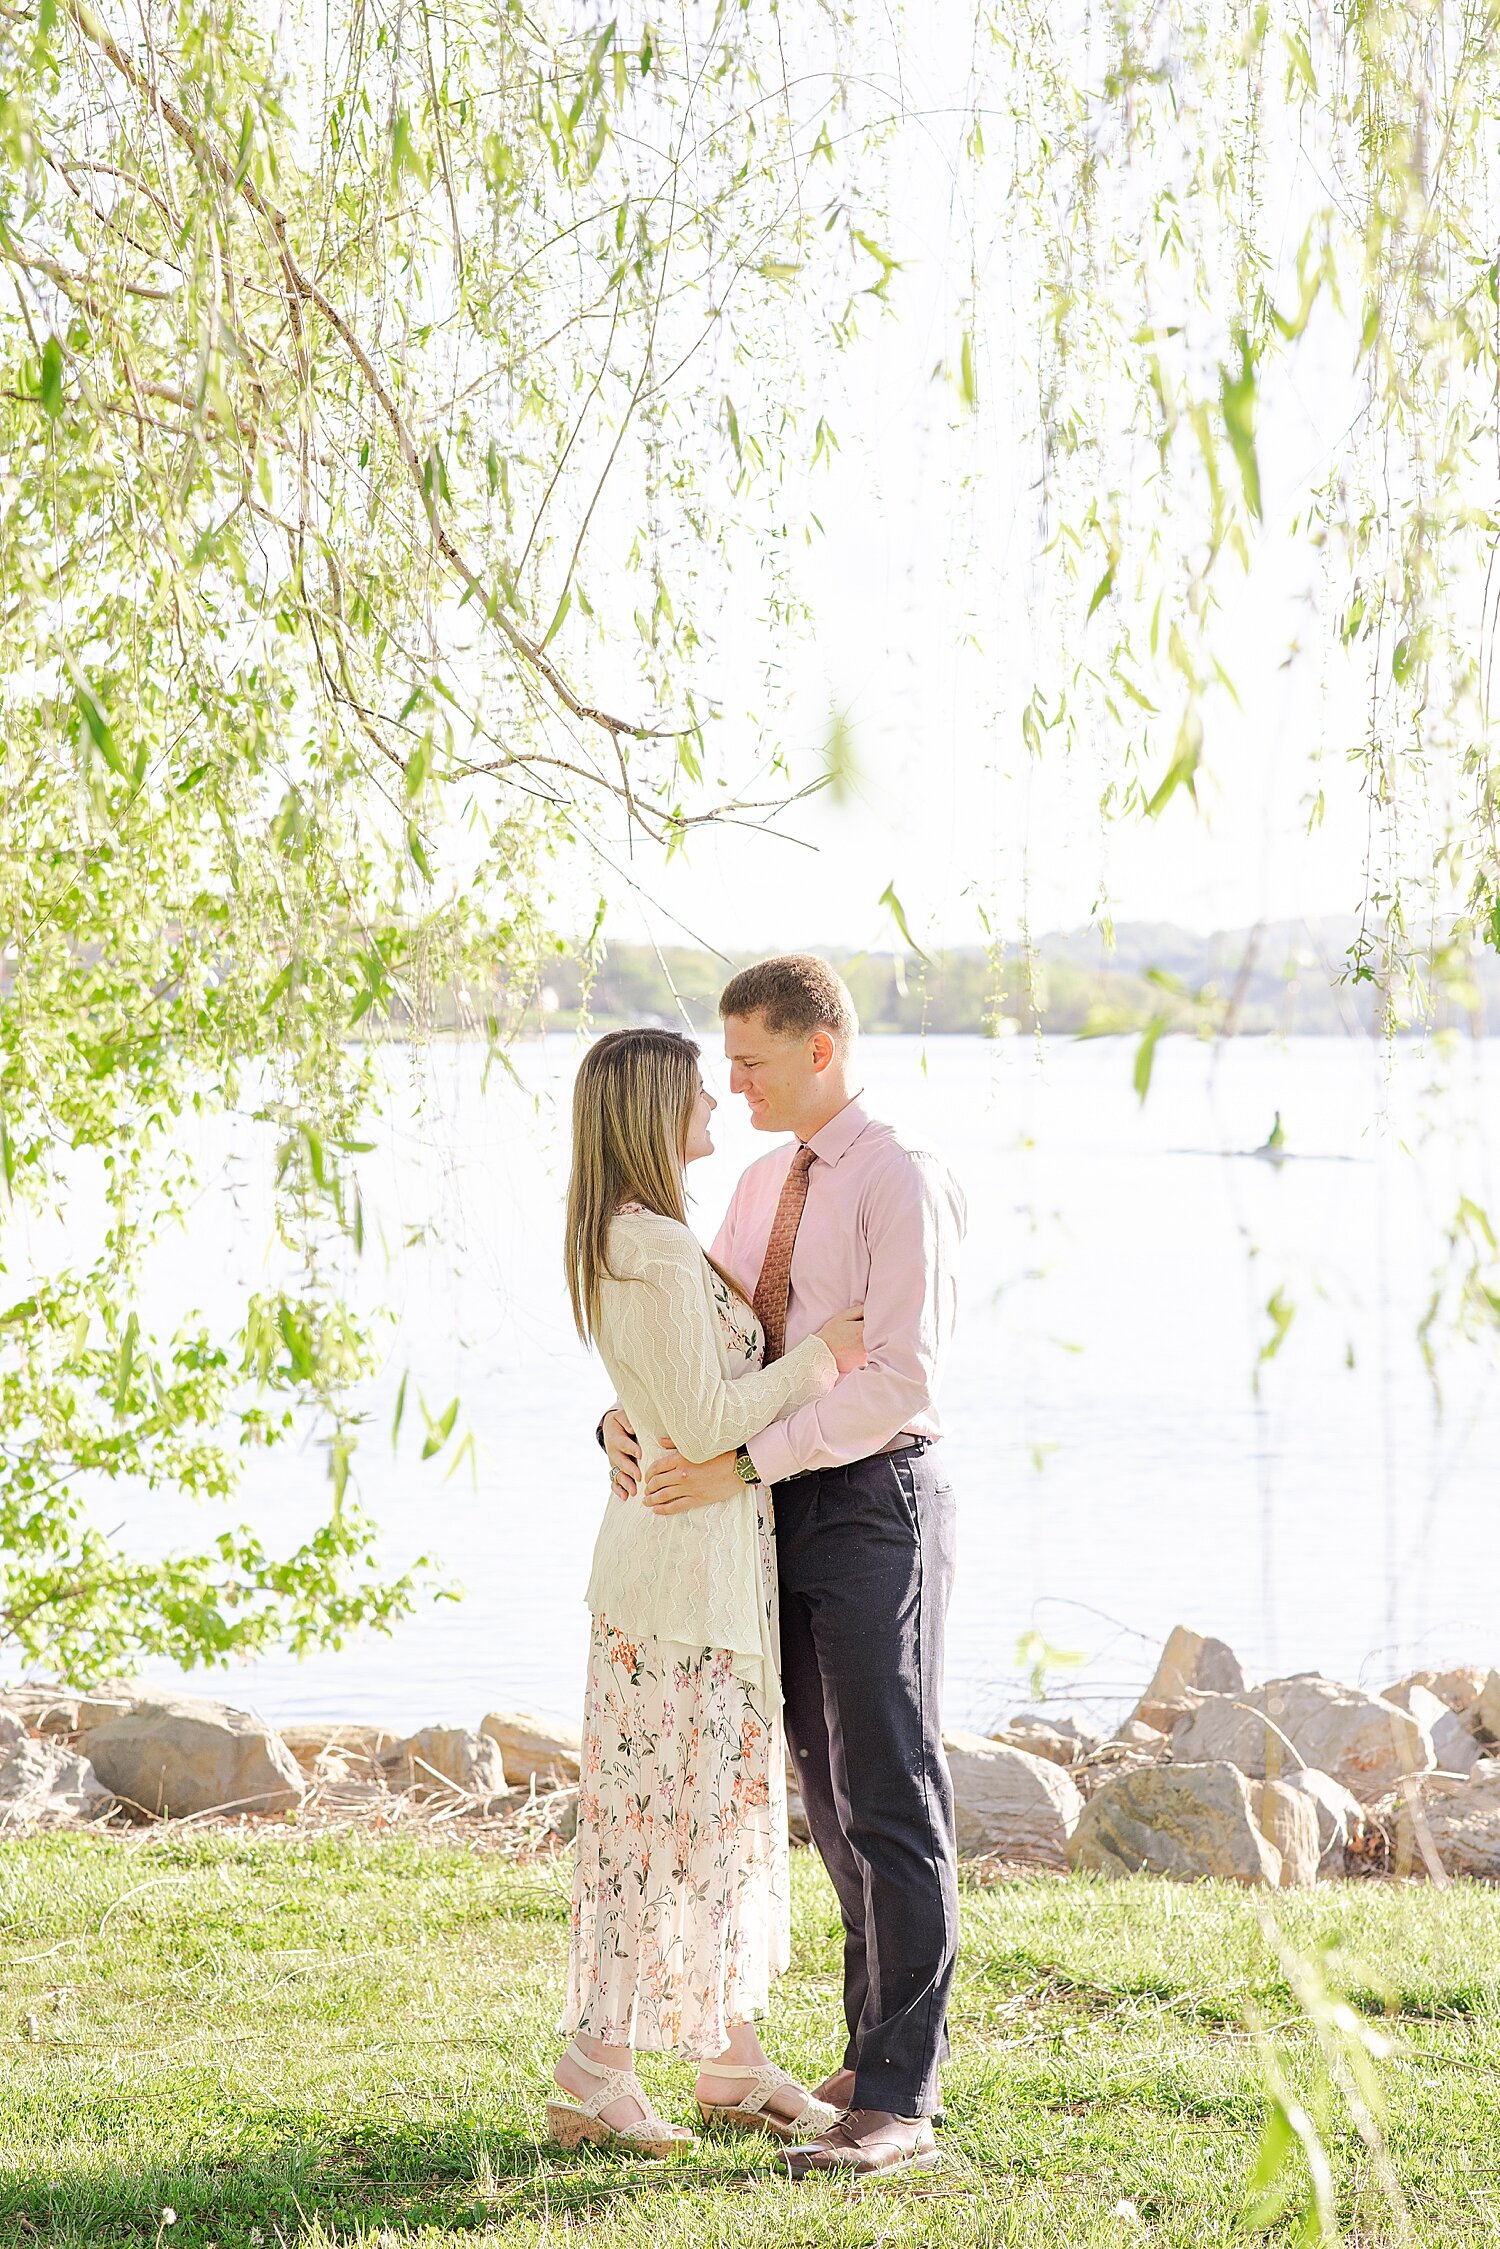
x=680, y=1909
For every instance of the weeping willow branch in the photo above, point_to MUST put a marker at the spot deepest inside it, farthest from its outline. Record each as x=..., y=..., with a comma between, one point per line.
x=304, y=328
x=302, y=289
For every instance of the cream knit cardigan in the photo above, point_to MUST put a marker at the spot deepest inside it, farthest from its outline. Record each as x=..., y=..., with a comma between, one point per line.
x=692, y=1579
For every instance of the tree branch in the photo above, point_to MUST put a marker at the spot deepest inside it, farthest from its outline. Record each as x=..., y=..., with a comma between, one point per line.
x=307, y=291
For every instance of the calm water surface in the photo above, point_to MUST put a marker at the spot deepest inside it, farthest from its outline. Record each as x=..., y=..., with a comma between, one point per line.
x=1116, y=1468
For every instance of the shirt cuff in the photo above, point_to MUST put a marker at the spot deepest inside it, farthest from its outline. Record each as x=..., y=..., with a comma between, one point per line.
x=772, y=1454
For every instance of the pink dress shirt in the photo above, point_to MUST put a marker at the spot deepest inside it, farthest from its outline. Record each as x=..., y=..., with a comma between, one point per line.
x=881, y=1227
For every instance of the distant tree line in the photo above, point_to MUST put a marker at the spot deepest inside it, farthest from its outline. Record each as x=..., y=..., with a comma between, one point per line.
x=1283, y=977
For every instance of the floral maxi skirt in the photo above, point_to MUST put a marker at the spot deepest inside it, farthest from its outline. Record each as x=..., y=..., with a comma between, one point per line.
x=680, y=1915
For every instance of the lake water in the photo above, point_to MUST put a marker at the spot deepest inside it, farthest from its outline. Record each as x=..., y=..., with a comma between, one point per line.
x=1116, y=1470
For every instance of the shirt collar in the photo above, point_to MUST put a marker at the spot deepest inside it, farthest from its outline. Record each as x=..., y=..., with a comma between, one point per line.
x=834, y=1140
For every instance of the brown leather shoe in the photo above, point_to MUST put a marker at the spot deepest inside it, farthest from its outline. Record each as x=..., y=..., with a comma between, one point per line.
x=864, y=2141
x=836, y=2089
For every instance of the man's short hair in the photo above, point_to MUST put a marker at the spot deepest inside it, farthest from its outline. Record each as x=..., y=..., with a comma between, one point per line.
x=797, y=994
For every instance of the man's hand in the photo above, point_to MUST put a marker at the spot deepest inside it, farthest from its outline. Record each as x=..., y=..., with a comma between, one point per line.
x=673, y=1484
x=623, y=1449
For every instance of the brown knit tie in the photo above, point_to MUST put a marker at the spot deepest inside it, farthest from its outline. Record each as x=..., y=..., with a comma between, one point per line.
x=775, y=1283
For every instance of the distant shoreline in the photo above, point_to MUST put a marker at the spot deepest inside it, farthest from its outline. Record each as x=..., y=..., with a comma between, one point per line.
x=1278, y=979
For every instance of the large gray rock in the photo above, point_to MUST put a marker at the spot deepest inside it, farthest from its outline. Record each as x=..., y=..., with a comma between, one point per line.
x=1191, y=1822
x=1136, y=1734
x=1462, y=1820
x=1455, y=1745
x=1113, y=1758
x=1288, y=1819
x=1062, y=1741
x=171, y=1756
x=1228, y=1729
x=1457, y=1689
x=1010, y=1803
x=1360, y=1739
x=1339, y=1813
x=45, y=1785
x=560, y=1815
x=544, y=1750
x=444, y=1758
x=1419, y=1702
x=71, y=1710
x=339, y=1746
x=1191, y=1665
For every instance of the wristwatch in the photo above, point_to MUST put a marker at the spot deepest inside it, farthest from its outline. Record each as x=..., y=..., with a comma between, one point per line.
x=745, y=1468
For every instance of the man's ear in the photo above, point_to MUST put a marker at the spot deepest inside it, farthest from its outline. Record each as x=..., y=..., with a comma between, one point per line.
x=823, y=1050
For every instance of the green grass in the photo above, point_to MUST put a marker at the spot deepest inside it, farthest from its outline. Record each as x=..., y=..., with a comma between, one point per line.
x=346, y=2040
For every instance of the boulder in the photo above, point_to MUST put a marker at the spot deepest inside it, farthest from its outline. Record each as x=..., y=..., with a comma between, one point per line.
x=1455, y=1745
x=1358, y=1738
x=1010, y=1803
x=1190, y=1665
x=1462, y=1820
x=350, y=1745
x=1288, y=1819
x=443, y=1758
x=543, y=1750
x=1112, y=1758
x=1421, y=1703
x=43, y=1785
x=1191, y=1822
x=1339, y=1813
x=1062, y=1741
x=83, y=1714
x=1485, y=1708
x=1456, y=1689
x=1136, y=1734
x=170, y=1756
x=1224, y=1728
x=559, y=1815
x=23, y=1702
x=70, y=1710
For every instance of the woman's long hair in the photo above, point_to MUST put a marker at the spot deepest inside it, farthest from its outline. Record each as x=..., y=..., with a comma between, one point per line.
x=633, y=1101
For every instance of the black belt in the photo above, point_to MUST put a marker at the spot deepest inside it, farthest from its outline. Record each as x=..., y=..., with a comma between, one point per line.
x=906, y=1442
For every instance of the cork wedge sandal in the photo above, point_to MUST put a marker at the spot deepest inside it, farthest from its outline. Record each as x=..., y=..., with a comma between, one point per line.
x=752, y=2115
x=577, y=2123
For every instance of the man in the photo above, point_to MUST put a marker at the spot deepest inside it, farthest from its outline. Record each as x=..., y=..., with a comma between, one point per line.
x=849, y=1214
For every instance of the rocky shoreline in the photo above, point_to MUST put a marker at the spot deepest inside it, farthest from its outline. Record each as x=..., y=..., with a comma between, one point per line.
x=1298, y=1780
x=127, y=1755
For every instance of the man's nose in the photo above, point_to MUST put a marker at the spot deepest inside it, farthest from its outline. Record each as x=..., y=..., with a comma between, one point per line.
x=738, y=1078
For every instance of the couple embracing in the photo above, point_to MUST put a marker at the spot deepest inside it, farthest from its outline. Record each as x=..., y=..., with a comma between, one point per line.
x=776, y=1557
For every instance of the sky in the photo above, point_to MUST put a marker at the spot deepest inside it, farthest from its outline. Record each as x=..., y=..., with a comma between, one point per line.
x=956, y=820
x=920, y=635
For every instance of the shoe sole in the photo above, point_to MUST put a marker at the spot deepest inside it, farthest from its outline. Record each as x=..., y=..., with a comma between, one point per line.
x=571, y=2129
x=849, y=2174
x=760, y=2126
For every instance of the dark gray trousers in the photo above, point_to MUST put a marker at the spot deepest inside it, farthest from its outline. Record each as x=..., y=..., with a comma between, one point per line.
x=866, y=1562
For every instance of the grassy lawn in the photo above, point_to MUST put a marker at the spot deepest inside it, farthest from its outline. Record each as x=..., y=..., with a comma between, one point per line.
x=345, y=2040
